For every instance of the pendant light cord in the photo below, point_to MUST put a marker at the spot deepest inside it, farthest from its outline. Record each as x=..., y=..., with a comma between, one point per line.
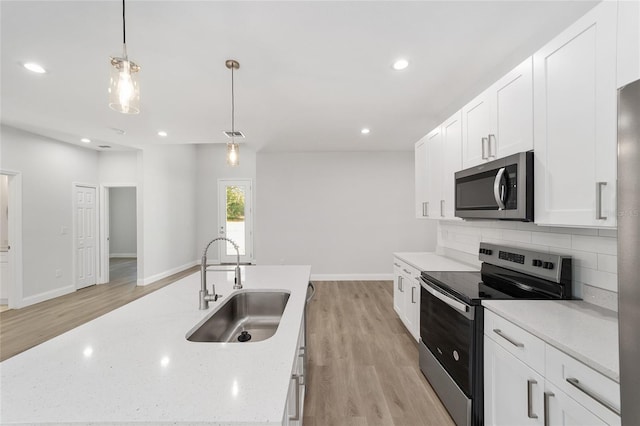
x=124, y=28
x=233, y=105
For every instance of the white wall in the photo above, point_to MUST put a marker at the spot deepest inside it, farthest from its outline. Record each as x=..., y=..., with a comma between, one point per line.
x=118, y=167
x=168, y=193
x=48, y=170
x=344, y=213
x=211, y=166
x=594, y=251
x=122, y=222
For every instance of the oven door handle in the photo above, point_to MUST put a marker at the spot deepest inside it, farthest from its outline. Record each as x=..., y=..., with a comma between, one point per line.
x=498, y=189
x=459, y=306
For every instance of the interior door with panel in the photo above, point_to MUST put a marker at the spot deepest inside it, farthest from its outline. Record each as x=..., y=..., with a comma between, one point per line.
x=575, y=123
x=235, y=219
x=85, y=231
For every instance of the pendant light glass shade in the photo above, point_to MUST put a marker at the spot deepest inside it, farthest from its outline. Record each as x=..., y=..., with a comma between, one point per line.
x=233, y=154
x=124, y=88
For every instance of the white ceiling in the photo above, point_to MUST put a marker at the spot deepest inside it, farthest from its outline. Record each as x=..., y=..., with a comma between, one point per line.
x=312, y=74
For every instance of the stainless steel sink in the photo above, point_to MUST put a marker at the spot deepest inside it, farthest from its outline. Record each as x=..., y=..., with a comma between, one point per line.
x=247, y=316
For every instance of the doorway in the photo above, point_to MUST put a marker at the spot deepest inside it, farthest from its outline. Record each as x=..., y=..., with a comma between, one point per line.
x=235, y=219
x=10, y=240
x=122, y=235
x=119, y=234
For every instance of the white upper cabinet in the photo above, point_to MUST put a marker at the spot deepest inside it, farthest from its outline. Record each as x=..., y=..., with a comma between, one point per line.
x=434, y=173
x=628, y=42
x=575, y=123
x=451, y=163
x=499, y=122
x=421, y=188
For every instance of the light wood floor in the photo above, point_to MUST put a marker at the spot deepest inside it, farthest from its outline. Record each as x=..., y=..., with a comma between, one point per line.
x=22, y=329
x=363, y=364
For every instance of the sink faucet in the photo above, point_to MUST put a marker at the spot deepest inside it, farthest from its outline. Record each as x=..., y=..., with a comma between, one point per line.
x=205, y=296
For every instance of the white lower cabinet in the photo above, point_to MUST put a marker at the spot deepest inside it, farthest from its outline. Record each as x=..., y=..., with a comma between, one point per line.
x=520, y=388
x=406, y=295
x=294, y=410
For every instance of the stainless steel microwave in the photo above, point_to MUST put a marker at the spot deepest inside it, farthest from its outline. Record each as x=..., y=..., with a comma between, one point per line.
x=499, y=189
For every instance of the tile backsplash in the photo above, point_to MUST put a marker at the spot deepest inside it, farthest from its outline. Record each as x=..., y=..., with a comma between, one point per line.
x=594, y=251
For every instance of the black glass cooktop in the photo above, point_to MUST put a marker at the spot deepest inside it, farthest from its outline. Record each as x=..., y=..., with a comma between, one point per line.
x=492, y=282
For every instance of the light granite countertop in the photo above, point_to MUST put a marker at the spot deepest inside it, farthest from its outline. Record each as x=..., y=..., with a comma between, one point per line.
x=134, y=364
x=429, y=261
x=586, y=332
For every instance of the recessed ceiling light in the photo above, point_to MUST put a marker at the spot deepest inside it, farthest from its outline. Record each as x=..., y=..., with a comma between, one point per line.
x=162, y=133
x=33, y=67
x=400, y=64
x=85, y=140
x=365, y=131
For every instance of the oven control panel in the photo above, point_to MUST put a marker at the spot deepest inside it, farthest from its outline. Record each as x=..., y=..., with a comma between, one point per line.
x=553, y=267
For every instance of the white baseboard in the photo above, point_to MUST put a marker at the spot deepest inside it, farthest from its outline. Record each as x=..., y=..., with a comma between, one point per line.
x=351, y=277
x=31, y=300
x=123, y=255
x=4, y=301
x=165, y=274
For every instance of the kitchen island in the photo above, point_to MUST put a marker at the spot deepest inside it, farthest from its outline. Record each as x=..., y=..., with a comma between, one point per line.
x=134, y=364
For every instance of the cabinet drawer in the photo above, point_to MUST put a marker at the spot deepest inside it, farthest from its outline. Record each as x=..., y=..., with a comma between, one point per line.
x=596, y=392
x=522, y=344
x=406, y=269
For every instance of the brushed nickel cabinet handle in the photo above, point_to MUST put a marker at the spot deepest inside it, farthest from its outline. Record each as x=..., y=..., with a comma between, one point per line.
x=576, y=383
x=412, y=298
x=507, y=338
x=530, y=414
x=484, y=142
x=442, y=208
x=495, y=148
x=599, y=186
x=547, y=396
x=400, y=286
x=297, y=415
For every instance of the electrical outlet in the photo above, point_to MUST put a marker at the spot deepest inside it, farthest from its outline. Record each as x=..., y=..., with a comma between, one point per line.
x=58, y=273
x=64, y=230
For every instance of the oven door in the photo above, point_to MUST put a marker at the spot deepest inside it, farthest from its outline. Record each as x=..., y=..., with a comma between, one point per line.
x=447, y=328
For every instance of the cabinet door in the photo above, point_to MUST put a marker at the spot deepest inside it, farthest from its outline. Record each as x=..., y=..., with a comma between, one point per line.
x=628, y=42
x=434, y=173
x=562, y=410
x=513, y=96
x=476, y=125
x=512, y=391
x=412, y=306
x=420, y=153
x=451, y=162
x=398, y=294
x=575, y=123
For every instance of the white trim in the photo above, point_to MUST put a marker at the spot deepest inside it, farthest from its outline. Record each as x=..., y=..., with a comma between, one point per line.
x=15, y=238
x=351, y=277
x=74, y=248
x=4, y=301
x=165, y=274
x=122, y=255
x=31, y=300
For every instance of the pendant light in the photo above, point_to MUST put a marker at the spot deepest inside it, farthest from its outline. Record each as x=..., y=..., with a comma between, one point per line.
x=233, y=150
x=124, y=89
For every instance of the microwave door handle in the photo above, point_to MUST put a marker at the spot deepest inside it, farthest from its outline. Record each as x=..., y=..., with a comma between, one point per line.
x=498, y=194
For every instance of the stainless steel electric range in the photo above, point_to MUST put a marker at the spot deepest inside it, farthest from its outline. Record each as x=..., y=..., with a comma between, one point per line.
x=451, y=318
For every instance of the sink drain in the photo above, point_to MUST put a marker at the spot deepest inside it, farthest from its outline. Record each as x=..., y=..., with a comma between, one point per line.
x=244, y=337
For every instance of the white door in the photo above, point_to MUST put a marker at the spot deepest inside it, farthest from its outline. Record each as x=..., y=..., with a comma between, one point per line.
x=85, y=226
x=235, y=219
x=434, y=173
x=421, y=184
x=565, y=411
x=4, y=239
